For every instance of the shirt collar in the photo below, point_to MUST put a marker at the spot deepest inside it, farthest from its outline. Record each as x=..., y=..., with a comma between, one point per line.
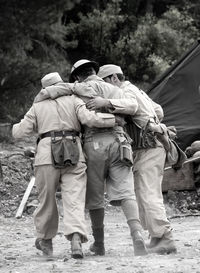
x=93, y=78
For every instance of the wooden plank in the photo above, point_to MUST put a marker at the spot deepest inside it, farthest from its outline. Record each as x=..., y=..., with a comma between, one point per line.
x=182, y=179
x=25, y=198
x=192, y=159
x=179, y=180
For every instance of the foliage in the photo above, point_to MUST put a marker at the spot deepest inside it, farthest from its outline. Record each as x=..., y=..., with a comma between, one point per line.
x=144, y=45
x=155, y=45
x=95, y=33
x=144, y=37
x=32, y=44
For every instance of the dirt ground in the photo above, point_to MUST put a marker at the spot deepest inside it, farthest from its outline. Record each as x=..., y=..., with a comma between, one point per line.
x=17, y=236
x=18, y=254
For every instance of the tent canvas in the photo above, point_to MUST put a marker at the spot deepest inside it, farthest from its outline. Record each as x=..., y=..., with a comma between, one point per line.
x=178, y=92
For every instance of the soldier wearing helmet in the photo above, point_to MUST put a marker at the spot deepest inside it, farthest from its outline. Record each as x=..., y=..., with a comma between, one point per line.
x=104, y=148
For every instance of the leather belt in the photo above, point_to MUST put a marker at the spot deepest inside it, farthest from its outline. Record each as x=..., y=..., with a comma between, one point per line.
x=59, y=134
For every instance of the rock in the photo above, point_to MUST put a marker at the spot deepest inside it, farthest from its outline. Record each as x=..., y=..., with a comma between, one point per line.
x=187, y=244
x=10, y=258
x=195, y=146
x=171, y=195
x=195, y=155
x=33, y=203
x=189, y=152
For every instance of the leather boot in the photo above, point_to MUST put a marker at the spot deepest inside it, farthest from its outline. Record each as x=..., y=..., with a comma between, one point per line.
x=153, y=242
x=139, y=244
x=98, y=246
x=45, y=246
x=76, y=246
x=165, y=245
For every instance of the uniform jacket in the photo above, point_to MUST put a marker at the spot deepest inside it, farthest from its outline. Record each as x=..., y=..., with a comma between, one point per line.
x=123, y=102
x=64, y=113
x=147, y=108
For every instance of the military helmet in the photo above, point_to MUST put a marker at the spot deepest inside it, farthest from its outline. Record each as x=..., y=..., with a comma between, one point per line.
x=81, y=64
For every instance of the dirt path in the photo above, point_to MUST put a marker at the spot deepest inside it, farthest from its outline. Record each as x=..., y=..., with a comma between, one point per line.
x=18, y=254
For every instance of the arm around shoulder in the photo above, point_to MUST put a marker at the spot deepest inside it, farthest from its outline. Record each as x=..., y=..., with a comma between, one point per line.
x=92, y=118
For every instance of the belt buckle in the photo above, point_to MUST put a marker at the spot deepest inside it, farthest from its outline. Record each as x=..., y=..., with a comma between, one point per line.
x=53, y=137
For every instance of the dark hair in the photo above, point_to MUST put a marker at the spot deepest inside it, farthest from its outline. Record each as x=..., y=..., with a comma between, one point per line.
x=85, y=71
x=121, y=77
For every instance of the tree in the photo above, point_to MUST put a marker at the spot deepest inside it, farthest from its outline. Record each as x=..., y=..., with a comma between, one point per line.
x=143, y=44
x=32, y=44
x=143, y=36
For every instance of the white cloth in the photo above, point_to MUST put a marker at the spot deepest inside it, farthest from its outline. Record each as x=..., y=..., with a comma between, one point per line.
x=147, y=108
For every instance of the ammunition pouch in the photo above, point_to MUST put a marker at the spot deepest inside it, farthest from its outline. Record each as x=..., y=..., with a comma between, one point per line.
x=64, y=150
x=126, y=153
x=175, y=157
x=142, y=138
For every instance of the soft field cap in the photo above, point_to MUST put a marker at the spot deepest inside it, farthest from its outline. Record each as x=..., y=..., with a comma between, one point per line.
x=109, y=69
x=51, y=79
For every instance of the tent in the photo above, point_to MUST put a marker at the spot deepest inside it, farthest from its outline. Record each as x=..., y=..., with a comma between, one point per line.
x=178, y=92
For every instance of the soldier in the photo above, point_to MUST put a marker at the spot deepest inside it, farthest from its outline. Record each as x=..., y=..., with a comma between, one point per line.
x=149, y=161
x=108, y=151
x=60, y=160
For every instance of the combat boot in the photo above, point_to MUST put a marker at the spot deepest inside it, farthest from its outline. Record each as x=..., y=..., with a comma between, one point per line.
x=165, y=245
x=139, y=244
x=153, y=242
x=98, y=246
x=45, y=246
x=76, y=246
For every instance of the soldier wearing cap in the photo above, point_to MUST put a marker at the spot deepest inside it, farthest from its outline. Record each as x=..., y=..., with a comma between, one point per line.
x=61, y=118
x=149, y=162
x=103, y=148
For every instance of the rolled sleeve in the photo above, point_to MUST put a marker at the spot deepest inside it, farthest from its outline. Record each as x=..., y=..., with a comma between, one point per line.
x=91, y=118
x=124, y=106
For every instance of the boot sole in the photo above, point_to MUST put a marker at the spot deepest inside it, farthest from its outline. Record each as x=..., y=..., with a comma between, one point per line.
x=163, y=251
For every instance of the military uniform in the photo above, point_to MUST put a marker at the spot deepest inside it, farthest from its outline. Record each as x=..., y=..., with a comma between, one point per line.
x=62, y=114
x=149, y=168
x=104, y=164
x=102, y=146
x=149, y=160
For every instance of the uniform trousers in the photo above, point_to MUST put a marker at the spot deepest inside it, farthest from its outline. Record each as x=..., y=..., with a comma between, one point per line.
x=148, y=176
x=104, y=165
x=72, y=181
